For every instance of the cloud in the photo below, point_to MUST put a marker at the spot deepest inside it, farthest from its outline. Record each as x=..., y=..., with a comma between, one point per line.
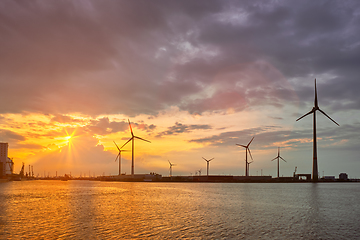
x=64, y=119
x=140, y=58
x=104, y=126
x=179, y=128
x=106, y=59
x=31, y=146
x=274, y=136
x=10, y=136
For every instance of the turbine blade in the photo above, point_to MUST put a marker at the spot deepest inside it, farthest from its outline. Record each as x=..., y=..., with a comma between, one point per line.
x=204, y=158
x=315, y=101
x=241, y=145
x=142, y=139
x=132, y=134
x=117, y=157
x=117, y=146
x=274, y=158
x=283, y=159
x=250, y=153
x=328, y=116
x=127, y=142
x=211, y=159
x=250, y=142
x=305, y=115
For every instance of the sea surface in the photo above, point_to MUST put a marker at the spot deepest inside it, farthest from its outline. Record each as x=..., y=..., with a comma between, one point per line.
x=130, y=210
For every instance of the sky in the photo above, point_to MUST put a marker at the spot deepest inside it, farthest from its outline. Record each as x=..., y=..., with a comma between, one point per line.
x=193, y=77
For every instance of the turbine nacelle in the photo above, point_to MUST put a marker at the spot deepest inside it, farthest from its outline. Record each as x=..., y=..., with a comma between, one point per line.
x=207, y=159
x=316, y=108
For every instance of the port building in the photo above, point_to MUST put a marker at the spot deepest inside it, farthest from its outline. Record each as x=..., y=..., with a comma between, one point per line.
x=6, y=164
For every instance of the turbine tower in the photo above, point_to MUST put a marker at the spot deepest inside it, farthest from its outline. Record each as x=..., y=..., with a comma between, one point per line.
x=171, y=165
x=313, y=111
x=119, y=157
x=132, y=149
x=246, y=161
x=207, y=165
x=278, y=159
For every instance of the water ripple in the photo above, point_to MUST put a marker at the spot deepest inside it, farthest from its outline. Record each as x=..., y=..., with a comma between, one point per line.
x=106, y=210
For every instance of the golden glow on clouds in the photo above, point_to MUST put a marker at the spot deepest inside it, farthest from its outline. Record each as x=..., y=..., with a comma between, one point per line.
x=73, y=141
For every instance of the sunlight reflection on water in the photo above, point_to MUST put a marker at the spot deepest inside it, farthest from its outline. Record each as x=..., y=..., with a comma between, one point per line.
x=115, y=210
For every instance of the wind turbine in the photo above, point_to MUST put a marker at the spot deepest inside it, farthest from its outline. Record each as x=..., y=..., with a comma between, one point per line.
x=171, y=165
x=248, y=164
x=313, y=111
x=278, y=159
x=132, y=151
x=246, y=161
x=119, y=156
x=207, y=165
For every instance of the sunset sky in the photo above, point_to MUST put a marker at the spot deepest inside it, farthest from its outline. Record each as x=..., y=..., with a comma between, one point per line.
x=194, y=78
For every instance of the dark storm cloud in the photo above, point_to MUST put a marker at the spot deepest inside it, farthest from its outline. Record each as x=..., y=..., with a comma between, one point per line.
x=179, y=128
x=140, y=57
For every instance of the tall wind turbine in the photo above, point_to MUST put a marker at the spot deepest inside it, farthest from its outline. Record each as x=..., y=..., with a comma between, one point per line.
x=278, y=159
x=207, y=165
x=132, y=149
x=313, y=111
x=119, y=157
x=171, y=165
x=246, y=161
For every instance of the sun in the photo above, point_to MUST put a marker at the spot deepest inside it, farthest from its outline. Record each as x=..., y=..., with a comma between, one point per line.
x=68, y=138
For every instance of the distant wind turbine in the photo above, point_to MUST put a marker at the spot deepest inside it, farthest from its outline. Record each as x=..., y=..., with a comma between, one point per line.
x=132, y=149
x=248, y=164
x=313, y=111
x=278, y=159
x=119, y=157
x=171, y=165
x=207, y=165
x=246, y=161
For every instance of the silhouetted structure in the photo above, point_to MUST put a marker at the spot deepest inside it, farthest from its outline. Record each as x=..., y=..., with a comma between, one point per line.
x=343, y=177
x=6, y=163
x=313, y=111
x=118, y=157
x=171, y=165
x=278, y=160
x=248, y=164
x=246, y=161
x=207, y=165
x=132, y=148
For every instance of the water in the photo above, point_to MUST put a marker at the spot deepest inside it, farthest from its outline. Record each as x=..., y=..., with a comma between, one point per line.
x=115, y=210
